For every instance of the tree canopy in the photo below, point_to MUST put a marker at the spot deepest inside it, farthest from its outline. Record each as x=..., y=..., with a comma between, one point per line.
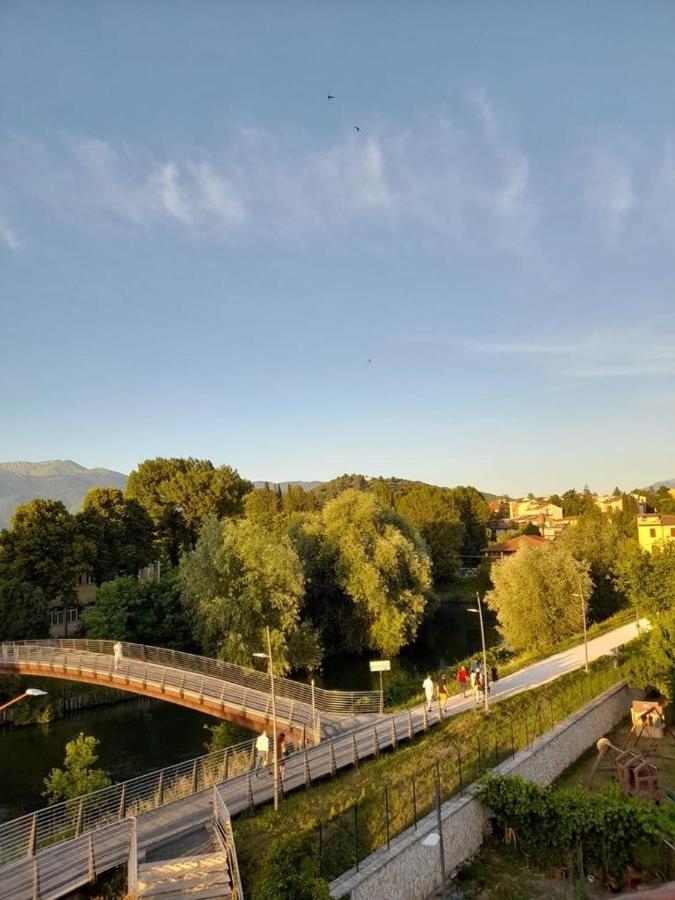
x=533, y=596
x=78, y=775
x=23, y=611
x=433, y=510
x=376, y=561
x=44, y=548
x=240, y=578
x=119, y=534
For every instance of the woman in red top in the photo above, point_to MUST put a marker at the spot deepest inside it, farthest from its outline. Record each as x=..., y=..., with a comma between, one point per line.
x=462, y=679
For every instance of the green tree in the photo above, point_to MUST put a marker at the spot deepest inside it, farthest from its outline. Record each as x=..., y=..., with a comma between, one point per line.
x=118, y=531
x=143, y=612
x=43, y=548
x=23, y=611
x=533, y=596
x=240, y=578
x=297, y=500
x=474, y=514
x=556, y=500
x=381, y=564
x=180, y=494
x=433, y=511
x=595, y=540
x=262, y=506
x=78, y=775
x=576, y=504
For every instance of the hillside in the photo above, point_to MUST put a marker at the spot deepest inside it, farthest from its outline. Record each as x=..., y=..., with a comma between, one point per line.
x=284, y=485
x=670, y=483
x=57, y=479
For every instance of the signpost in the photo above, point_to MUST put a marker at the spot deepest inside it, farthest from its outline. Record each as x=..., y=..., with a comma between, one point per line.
x=380, y=665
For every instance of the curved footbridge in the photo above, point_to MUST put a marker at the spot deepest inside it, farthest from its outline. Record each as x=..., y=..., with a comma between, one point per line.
x=218, y=688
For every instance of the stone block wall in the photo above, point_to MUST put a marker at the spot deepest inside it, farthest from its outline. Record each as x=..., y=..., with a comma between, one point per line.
x=411, y=871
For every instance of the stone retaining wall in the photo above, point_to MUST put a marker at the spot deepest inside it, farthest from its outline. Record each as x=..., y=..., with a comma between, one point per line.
x=411, y=871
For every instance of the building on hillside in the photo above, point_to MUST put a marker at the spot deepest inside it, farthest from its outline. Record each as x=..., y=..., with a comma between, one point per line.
x=553, y=528
x=513, y=545
x=65, y=619
x=608, y=502
x=654, y=529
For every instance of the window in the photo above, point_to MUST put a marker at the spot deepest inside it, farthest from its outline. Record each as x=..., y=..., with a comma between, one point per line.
x=672, y=532
x=73, y=614
x=652, y=532
x=56, y=617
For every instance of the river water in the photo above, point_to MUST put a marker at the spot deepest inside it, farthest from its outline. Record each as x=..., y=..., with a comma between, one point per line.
x=142, y=735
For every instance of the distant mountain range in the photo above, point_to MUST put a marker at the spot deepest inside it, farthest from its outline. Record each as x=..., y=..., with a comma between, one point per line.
x=284, y=485
x=57, y=479
x=657, y=484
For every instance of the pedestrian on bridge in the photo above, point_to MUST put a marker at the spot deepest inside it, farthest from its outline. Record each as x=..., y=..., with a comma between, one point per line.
x=117, y=654
x=262, y=749
x=442, y=693
x=282, y=752
x=462, y=678
x=428, y=687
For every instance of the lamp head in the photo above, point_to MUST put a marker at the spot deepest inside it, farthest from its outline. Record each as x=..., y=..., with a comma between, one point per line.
x=35, y=692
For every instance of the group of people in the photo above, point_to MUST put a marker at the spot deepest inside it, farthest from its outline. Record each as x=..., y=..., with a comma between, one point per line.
x=477, y=679
x=263, y=755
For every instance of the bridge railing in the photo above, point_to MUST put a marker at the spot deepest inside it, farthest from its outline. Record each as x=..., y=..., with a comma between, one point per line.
x=335, y=702
x=64, y=868
x=222, y=827
x=72, y=818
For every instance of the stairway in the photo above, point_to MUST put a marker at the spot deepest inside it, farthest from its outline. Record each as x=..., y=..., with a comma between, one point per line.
x=194, y=877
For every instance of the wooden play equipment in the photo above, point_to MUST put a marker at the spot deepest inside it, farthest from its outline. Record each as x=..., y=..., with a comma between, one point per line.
x=635, y=775
x=648, y=720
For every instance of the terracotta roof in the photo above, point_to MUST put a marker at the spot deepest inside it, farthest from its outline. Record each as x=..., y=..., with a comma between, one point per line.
x=515, y=543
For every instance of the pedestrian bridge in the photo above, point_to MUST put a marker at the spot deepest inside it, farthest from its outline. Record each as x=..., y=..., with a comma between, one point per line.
x=218, y=688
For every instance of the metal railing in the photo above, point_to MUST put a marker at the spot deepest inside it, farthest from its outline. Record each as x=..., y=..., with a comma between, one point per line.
x=222, y=827
x=334, y=702
x=64, y=868
x=71, y=818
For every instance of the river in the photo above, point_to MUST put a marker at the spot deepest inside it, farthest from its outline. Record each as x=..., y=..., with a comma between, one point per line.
x=141, y=735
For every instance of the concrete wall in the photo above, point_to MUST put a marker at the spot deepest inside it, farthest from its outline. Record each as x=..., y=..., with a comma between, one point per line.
x=408, y=870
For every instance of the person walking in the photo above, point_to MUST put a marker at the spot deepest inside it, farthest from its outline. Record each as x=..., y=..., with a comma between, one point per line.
x=117, y=654
x=462, y=679
x=262, y=749
x=480, y=685
x=442, y=693
x=281, y=752
x=494, y=674
x=428, y=687
x=474, y=686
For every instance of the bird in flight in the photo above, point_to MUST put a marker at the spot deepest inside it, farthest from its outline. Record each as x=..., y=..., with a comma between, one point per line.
x=331, y=97
x=356, y=128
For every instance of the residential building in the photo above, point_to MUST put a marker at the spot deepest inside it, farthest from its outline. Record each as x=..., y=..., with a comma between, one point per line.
x=654, y=529
x=513, y=545
x=553, y=528
x=65, y=619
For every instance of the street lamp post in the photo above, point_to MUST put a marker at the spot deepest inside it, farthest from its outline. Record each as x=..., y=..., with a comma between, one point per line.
x=29, y=692
x=275, y=776
x=580, y=595
x=482, y=640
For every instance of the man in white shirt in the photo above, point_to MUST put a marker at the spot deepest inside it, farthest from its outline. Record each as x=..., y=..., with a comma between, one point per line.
x=262, y=749
x=428, y=686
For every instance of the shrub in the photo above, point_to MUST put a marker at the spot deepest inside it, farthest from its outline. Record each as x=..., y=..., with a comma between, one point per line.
x=290, y=870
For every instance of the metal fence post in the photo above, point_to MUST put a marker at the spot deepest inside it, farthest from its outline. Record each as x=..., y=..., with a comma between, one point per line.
x=160, y=789
x=411, y=729
x=80, y=818
x=459, y=766
x=376, y=741
x=32, y=837
x=386, y=804
x=356, y=835
x=320, y=850
x=92, y=860
x=123, y=802
x=414, y=799
x=194, y=777
x=355, y=752
x=36, y=880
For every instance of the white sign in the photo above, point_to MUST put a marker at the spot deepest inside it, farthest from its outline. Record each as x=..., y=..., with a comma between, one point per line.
x=380, y=665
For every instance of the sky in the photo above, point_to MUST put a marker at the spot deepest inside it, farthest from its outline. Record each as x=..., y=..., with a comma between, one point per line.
x=201, y=255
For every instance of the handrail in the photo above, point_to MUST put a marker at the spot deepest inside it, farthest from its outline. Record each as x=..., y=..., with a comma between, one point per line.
x=215, y=694
x=71, y=818
x=337, y=702
x=222, y=826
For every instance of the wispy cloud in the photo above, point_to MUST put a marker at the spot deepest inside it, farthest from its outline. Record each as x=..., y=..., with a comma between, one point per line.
x=469, y=184
x=8, y=236
x=638, y=350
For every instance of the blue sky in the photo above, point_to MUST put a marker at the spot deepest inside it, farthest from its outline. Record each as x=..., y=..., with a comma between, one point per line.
x=200, y=255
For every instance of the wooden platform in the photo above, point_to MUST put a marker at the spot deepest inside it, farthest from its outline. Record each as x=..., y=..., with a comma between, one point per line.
x=195, y=877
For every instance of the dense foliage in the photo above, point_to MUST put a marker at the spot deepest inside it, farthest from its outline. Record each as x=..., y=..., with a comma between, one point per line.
x=552, y=825
x=533, y=596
